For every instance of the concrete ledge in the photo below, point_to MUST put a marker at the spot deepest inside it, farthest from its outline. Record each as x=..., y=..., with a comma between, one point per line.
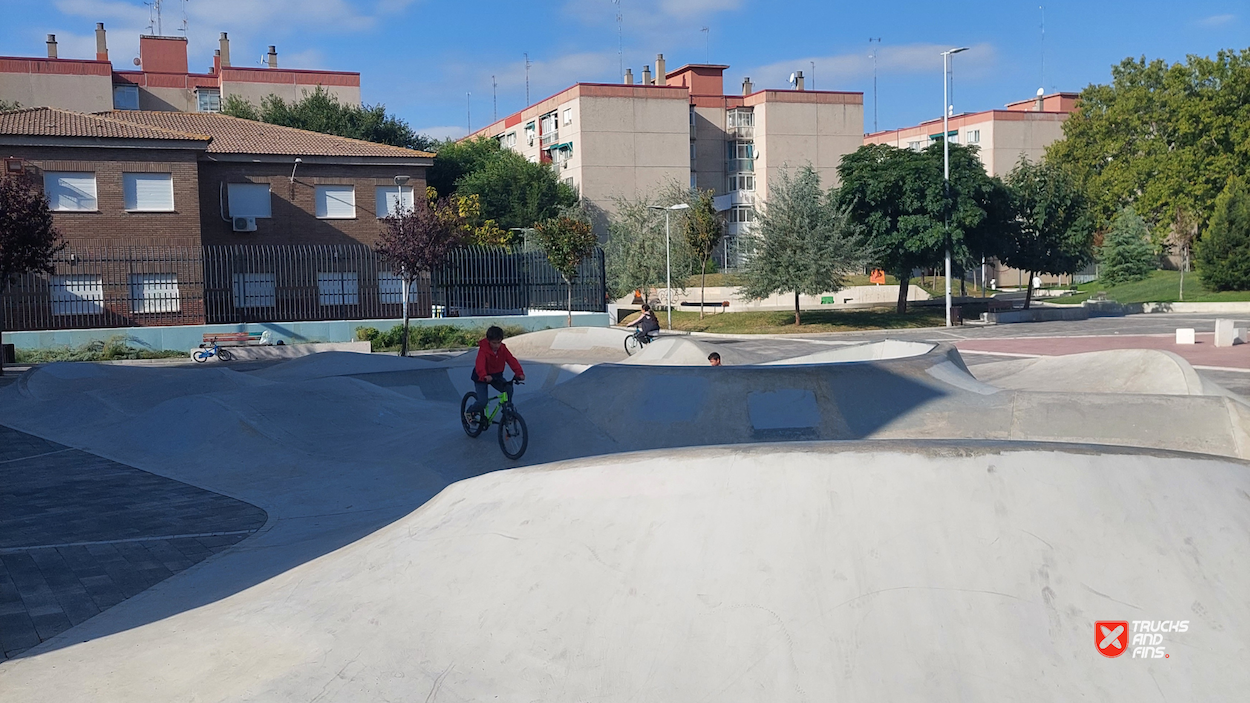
x=291, y=351
x=1037, y=315
x=1229, y=307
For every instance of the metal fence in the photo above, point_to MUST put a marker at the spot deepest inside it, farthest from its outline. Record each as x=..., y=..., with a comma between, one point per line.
x=141, y=286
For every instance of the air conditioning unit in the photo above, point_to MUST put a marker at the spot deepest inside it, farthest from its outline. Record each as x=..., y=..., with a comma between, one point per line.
x=244, y=224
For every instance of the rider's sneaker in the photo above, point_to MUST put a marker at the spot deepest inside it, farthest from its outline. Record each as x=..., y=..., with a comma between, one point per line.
x=470, y=418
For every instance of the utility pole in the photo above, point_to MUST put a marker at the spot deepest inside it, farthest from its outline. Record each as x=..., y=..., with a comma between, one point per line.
x=946, y=165
x=707, y=44
x=813, y=63
x=527, y=79
x=874, y=80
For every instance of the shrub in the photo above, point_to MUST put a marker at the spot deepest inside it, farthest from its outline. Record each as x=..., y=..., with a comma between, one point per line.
x=1223, y=253
x=113, y=349
x=1126, y=254
x=429, y=337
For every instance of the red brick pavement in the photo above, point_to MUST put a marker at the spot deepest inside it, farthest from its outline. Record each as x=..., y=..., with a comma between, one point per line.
x=1204, y=353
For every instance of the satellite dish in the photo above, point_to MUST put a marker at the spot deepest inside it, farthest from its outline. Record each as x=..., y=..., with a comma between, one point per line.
x=794, y=79
x=1041, y=92
x=137, y=62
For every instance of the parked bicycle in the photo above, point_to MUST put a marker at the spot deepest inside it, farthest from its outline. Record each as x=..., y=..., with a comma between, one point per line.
x=636, y=341
x=513, y=437
x=205, y=353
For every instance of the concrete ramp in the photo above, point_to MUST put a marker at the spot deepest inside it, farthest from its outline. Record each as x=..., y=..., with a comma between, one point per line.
x=683, y=351
x=873, y=351
x=585, y=344
x=970, y=572
x=1116, y=371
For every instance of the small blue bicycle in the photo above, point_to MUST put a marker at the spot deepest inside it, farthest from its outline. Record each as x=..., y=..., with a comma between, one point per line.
x=205, y=353
x=513, y=437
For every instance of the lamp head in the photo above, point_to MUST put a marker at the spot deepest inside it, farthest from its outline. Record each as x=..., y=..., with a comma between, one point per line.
x=680, y=206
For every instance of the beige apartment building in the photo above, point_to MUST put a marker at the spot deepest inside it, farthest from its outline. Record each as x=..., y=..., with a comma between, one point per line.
x=159, y=80
x=1024, y=128
x=631, y=140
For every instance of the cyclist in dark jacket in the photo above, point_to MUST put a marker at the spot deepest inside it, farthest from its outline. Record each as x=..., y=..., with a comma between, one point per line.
x=647, y=324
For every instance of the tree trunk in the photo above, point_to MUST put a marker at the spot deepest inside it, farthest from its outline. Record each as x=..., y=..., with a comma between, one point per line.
x=702, y=289
x=569, y=284
x=904, y=283
x=1028, y=296
x=407, y=286
x=963, y=290
x=797, y=319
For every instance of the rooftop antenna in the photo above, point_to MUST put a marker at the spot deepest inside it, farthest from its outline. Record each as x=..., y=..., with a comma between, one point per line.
x=468, y=112
x=1043, y=9
x=813, y=63
x=707, y=44
x=494, y=100
x=620, y=36
x=154, y=16
x=877, y=40
x=527, y=79
x=185, y=24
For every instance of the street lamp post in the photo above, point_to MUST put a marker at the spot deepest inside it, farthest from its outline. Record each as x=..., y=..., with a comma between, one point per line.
x=668, y=254
x=946, y=164
x=404, y=285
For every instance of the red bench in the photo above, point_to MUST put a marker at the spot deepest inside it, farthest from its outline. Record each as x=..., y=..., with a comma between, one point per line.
x=231, y=339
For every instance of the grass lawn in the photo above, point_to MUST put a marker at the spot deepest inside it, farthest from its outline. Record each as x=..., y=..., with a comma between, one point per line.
x=935, y=286
x=782, y=322
x=1158, y=287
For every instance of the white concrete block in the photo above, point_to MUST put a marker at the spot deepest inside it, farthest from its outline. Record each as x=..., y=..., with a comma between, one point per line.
x=1239, y=335
x=1223, y=333
x=1185, y=335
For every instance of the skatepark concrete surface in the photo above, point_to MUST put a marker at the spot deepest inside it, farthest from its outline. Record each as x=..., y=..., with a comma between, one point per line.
x=868, y=523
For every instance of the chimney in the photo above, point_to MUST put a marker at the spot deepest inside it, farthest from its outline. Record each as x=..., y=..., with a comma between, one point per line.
x=747, y=88
x=52, y=46
x=646, y=75
x=1041, y=100
x=101, y=43
x=629, y=76
x=224, y=42
x=273, y=56
x=798, y=80
x=659, y=69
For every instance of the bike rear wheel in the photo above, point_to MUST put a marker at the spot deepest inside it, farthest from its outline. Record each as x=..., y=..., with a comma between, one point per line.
x=513, y=437
x=201, y=355
x=632, y=344
x=473, y=428
x=225, y=355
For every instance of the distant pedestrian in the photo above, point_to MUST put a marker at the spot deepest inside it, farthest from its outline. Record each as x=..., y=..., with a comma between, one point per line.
x=714, y=358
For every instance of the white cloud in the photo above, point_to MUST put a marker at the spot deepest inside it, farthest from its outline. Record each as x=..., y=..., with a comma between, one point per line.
x=1217, y=20
x=442, y=132
x=901, y=59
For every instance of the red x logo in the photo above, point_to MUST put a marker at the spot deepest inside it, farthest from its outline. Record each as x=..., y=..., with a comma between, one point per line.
x=1111, y=637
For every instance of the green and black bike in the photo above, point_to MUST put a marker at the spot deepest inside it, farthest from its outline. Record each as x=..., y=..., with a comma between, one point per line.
x=513, y=437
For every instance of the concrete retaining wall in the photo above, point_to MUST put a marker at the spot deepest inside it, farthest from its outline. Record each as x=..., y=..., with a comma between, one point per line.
x=1038, y=315
x=190, y=336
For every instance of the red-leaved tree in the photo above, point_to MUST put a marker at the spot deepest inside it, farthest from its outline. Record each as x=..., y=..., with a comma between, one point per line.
x=28, y=241
x=417, y=240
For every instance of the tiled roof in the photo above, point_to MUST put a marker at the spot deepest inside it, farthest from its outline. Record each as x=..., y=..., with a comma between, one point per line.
x=233, y=135
x=55, y=122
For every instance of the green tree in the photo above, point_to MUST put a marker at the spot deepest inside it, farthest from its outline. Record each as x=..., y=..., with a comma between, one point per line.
x=1223, y=253
x=704, y=229
x=1126, y=253
x=417, y=240
x=320, y=111
x=804, y=243
x=899, y=197
x=1053, y=233
x=1163, y=138
x=6, y=105
x=28, y=240
x=515, y=192
x=454, y=160
x=637, y=254
x=567, y=242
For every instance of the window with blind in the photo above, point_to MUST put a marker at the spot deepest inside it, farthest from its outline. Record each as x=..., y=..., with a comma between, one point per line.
x=389, y=196
x=254, y=290
x=148, y=192
x=391, y=289
x=336, y=202
x=154, y=292
x=77, y=295
x=70, y=192
x=249, y=200
x=338, y=288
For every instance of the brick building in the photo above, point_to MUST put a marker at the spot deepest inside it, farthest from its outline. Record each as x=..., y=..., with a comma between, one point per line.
x=141, y=198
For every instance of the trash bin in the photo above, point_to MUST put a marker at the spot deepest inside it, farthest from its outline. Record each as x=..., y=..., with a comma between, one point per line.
x=9, y=352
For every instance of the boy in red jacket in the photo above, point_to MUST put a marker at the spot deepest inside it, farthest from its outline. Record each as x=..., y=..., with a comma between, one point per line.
x=488, y=370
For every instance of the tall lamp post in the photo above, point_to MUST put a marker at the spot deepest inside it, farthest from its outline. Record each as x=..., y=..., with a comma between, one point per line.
x=405, y=286
x=668, y=254
x=946, y=163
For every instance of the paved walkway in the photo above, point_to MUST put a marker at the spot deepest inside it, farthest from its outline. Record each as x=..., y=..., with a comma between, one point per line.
x=1204, y=353
x=79, y=534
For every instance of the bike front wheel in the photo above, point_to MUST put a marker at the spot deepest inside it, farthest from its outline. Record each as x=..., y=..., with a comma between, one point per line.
x=201, y=355
x=513, y=437
x=472, y=428
x=632, y=345
x=225, y=355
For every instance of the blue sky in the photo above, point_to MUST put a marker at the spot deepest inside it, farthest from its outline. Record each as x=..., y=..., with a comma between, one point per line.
x=421, y=57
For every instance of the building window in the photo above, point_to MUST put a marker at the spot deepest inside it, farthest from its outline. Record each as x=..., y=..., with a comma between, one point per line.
x=391, y=289
x=973, y=136
x=691, y=116
x=335, y=202
x=125, y=97
x=148, y=192
x=745, y=181
x=529, y=134
x=568, y=115
x=694, y=180
x=692, y=152
x=208, y=99
x=741, y=213
x=249, y=200
x=511, y=139
x=739, y=118
x=154, y=292
x=391, y=198
x=70, y=191
x=254, y=290
x=77, y=295
x=741, y=150
x=915, y=146
x=338, y=288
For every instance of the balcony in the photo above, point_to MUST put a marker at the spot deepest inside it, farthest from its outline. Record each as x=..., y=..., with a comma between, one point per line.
x=739, y=166
x=550, y=138
x=740, y=132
